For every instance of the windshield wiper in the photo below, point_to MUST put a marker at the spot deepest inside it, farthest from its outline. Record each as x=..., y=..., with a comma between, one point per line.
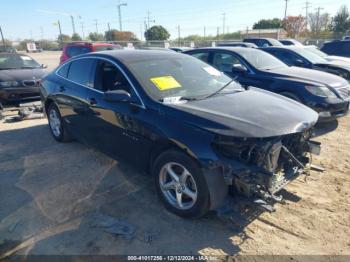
x=221, y=89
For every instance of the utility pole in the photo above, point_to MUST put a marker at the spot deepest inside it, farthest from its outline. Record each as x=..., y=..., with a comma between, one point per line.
x=179, y=34
x=318, y=20
x=120, y=14
x=307, y=6
x=204, y=32
x=41, y=32
x=285, y=9
x=223, y=23
x=96, y=25
x=109, y=34
x=2, y=37
x=141, y=33
x=217, y=31
x=82, y=30
x=73, y=23
x=149, y=20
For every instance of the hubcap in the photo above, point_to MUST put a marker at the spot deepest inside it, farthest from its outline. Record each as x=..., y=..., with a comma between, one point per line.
x=178, y=186
x=55, y=123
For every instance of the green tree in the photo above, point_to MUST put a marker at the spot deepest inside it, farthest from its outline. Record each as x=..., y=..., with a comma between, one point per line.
x=341, y=21
x=157, y=32
x=268, y=24
x=96, y=37
x=76, y=37
x=63, y=38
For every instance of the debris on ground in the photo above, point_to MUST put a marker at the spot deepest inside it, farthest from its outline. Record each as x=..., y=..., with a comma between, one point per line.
x=150, y=236
x=114, y=226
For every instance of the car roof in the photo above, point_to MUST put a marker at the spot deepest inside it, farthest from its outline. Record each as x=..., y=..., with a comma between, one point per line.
x=135, y=55
x=227, y=48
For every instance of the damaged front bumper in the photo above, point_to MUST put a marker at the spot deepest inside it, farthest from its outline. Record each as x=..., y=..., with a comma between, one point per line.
x=259, y=168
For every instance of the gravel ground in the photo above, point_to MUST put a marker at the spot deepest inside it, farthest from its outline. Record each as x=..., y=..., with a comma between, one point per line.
x=50, y=194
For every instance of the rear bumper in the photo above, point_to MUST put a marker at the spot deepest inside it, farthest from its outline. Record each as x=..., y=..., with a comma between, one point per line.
x=18, y=94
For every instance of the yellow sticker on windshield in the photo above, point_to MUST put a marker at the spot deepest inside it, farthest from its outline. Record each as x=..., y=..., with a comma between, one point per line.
x=165, y=82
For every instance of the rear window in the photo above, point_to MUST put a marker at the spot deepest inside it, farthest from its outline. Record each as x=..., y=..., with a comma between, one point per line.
x=63, y=71
x=77, y=50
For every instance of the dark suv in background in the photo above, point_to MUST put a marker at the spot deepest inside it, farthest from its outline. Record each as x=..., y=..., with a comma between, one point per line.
x=338, y=48
x=263, y=42
x=79, y=48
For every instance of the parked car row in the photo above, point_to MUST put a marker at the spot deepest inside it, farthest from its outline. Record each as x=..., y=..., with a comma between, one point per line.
x=203, y=122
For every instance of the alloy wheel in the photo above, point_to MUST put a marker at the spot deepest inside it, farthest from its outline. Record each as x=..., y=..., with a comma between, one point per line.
x=178, y=186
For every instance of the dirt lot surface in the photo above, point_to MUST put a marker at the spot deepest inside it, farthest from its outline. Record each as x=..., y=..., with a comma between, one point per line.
x=53, y=196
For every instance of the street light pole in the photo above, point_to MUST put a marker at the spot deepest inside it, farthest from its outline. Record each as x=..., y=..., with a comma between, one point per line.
x=120, y=14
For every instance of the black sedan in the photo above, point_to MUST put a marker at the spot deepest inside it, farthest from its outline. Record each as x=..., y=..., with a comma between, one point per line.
x=301, y=57
x=325, y=93
x=197, y=131
x=20, y=76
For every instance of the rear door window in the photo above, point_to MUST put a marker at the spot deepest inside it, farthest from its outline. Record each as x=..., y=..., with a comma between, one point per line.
x=63, y=71
x=224, y=62
x=82, y=72
x=204, y=56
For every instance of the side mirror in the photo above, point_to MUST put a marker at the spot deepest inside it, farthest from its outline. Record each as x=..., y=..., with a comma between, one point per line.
x=238, y=68
x=43, y=66
x=116, y=96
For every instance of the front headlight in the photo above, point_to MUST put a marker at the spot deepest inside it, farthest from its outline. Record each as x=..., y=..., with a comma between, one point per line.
x=9, y=84
x=321, y=91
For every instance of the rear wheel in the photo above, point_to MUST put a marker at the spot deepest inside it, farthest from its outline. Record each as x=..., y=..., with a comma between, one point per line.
x=180, y=184
x=57, y=128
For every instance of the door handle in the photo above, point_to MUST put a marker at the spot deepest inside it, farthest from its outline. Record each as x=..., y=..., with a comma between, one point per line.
x=62, y=89
x=92, y=101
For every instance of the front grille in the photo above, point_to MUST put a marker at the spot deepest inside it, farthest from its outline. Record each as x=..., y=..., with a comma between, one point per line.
x=30, y=83
x=344, y=92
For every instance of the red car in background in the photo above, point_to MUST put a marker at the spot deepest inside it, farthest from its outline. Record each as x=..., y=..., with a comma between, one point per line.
x=78, y=48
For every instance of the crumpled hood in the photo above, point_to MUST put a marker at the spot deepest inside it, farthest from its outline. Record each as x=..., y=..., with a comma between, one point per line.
x=22, y=74
x=304, y=74
x=252, y=113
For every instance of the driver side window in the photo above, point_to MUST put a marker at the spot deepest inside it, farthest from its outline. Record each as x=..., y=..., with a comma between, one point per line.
x=225, y=62
x=109, y=78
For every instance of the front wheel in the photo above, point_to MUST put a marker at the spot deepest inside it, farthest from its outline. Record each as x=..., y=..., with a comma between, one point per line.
x=180, y=184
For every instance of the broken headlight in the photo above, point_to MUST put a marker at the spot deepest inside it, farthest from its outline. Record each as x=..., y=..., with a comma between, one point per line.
x=263, y=153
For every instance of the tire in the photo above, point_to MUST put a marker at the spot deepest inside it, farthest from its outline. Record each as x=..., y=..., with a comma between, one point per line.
x=192, y=187
x=56, y=124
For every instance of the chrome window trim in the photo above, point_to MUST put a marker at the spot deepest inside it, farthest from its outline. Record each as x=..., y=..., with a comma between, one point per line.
x=108, y=60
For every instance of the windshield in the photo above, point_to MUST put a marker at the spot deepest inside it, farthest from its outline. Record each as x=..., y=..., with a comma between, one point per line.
x=312, y=57
x=260, y=59
x=316, y=51
x=180, y=76
x=14, y=61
